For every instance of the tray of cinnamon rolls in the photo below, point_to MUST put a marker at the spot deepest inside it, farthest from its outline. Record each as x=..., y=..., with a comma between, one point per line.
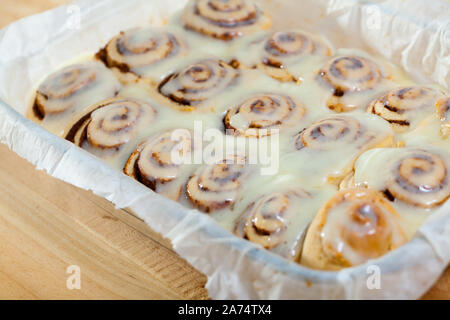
x=323, y=156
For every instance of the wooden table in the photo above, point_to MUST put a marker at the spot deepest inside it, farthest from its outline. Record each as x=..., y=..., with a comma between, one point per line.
x=47, y=225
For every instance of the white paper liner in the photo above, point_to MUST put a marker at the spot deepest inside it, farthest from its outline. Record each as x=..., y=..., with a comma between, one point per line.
x=415, y=35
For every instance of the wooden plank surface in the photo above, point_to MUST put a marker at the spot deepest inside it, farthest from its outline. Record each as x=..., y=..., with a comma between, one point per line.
x=11, y=10
x=47, y=225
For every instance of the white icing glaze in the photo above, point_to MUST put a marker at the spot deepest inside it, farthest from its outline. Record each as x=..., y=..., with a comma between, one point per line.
x=359, y=228
x=147, y=52
x=103, y=86
x=378, y=169
x=224, y=20
x=405, y=107
x=325, y=150
x=315, y=167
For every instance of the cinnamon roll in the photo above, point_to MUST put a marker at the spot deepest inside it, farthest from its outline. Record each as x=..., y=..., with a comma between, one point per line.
x=110, y=123
x=160, y=160
x=325, y=133
x=348, y=74
x=215, y=187
x=284, y=48
x=354, y=226
x=418, y=177
x=197, y=83
x=73, y=88
x=224, y=19
x=443, y=111
x=404, y=107
x=329, y=132
x=335, y=142
x=266, y=220
x=262, y=113
x=139, y=51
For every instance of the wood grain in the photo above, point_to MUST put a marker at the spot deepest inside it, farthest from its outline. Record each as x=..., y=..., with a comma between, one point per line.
x=47, y=225
x=11, y=10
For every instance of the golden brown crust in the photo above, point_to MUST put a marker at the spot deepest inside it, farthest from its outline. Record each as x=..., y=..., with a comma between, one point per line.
x=132, y=169
x=37, y=113
x=276, y=72
x=370, y=229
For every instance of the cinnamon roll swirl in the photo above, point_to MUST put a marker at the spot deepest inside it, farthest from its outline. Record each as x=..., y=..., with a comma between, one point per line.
x=329, y=132
x=110, y=123
x=354, y=226
x=286, y=47
x=420, y=178
x=198, y=83
x=417, y=177
x=214, y=187
x=443, y=111
x=262, y=113
x=137, y=51
x=348, y=74
x=161, y=160
x=265, y=220
x=73, y=88
x=224, y=19
x=339, y=140
x=325, y=133
x=404, y=107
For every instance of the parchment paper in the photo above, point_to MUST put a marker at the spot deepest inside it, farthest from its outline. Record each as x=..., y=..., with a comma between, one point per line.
x=413, y=34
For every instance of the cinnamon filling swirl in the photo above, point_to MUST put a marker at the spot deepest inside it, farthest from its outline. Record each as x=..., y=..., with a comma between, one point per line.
x=224, y=19
x=214, y=187
x=324, y=134
x=263, y=112
x=265, y=220
x=348, y=74
x=420, y=178
x=112, y=123
x=283, y=45
x=62, y=85
x=198, y=82
x=402, y=107
x=280, y=54
x=333, y=144
x=289, y=43
x=136, y=48
x=161, y=158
